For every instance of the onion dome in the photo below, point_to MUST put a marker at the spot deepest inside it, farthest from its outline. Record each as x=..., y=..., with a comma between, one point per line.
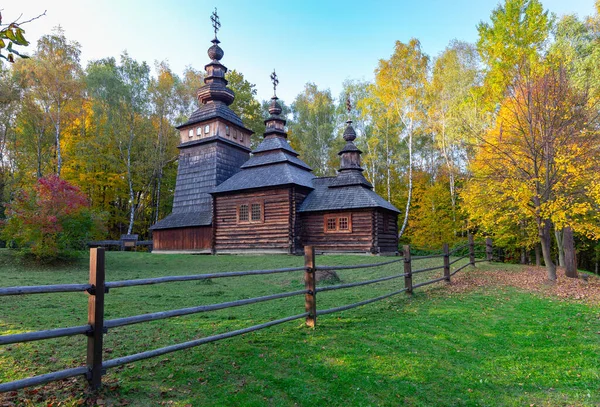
x=215, y=89
x=215, y=52
x=275, y=123
x=350, y=154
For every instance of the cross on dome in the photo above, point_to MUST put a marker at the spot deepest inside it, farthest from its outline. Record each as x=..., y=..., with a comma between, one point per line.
x=275, y=81
x=214, y=18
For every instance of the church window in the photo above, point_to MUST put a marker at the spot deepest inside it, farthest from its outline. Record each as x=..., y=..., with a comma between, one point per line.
x=235, y=134
x=243, y=213
x=338, y=224
x=256, y=212
x=227, y=130
x=331, y=224
x=242, y=137
x=250, y=212
x=191, y=133
x=343, y=223
x=206, y=129
x=199, y=131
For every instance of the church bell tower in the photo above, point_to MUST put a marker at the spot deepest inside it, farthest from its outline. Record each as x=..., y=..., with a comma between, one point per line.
x=214, y=145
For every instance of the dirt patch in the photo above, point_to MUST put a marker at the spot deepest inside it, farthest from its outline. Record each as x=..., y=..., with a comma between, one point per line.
x=531, y=279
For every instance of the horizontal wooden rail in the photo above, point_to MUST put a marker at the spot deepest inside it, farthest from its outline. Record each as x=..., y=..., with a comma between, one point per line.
x=44, y=289
x=462, y=246
x=112, y=323
x=460, y=268
x=359, y=266
x=430, y=256
x=171, y=279
x=358, y=304
x=459, y=259
x=429, y=282
x=42, y=379
x=46, y=334
x=185, y=345
x=427, y=269
x=358, y=284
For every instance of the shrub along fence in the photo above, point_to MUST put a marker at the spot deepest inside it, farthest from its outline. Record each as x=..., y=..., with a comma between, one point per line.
x=97, y=288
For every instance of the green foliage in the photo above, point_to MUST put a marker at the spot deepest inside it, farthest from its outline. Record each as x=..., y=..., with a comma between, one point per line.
x=312, y=129
x=50, y=221
x=516, y=37
x=245, y=104
x=10, y=36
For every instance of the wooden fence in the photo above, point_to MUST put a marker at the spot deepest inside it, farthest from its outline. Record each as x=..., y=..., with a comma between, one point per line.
x=97, y=288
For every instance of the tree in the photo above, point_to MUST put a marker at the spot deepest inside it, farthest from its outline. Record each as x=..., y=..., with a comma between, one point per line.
x=515, y=38
x=312, y=128
x=50, y=220
x=53, y=78
x=400, y=84
x=537, y=164
x=245, y=105
x=454, y=109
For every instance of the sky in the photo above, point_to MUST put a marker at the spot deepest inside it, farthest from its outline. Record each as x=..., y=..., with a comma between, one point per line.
x=325, y=42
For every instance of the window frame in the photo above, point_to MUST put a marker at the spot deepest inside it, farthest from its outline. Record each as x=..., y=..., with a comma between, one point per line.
x=249, y=204
x=337, y=218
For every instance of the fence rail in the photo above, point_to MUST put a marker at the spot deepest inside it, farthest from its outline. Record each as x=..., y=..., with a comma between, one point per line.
x=97, y=288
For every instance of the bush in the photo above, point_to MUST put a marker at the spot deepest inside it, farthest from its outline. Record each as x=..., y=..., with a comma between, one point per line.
x=50, y=221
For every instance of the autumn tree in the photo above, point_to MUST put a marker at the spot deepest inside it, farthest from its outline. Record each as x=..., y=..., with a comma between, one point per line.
x=400, y=85
x=50, y=220
x=536, y=164
x=516, y=37
x=53, y=80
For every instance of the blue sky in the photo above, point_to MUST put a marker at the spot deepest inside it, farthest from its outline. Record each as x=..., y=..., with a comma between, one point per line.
x=325, y=42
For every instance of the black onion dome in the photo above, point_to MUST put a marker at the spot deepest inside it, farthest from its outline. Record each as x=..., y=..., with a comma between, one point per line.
x=215, y=52
x=349, y=133
x=275, y=107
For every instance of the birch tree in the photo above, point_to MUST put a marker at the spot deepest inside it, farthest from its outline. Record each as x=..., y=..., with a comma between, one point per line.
x=400, y=84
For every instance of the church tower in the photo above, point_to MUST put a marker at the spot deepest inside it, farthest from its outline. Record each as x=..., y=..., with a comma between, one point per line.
x=214, y=145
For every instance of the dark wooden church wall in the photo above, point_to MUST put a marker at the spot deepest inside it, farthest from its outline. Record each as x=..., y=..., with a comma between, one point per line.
x=297, y=196
x=386, y=238
x=192, y=238
x=273, y=233
x=359, y=240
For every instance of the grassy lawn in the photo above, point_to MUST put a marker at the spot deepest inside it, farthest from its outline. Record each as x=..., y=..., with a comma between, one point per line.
x=481, y=347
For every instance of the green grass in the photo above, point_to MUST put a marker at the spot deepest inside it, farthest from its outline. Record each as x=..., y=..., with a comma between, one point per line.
x=488, y=347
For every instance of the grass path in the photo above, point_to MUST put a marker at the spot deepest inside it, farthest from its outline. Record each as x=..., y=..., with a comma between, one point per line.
x=482, y=341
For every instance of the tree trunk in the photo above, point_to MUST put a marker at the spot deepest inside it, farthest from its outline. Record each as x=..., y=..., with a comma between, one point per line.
x=538, y=260
x=570, y=255
x=544, y=234
x=523, y=256
x=57, y=141
x=558, y=234
x=409, y=184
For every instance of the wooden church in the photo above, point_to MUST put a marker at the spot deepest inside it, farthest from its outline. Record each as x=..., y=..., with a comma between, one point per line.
x=229, y=199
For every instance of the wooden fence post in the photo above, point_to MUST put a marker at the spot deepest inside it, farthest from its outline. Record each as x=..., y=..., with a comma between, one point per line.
x=407, y=270
x=471, y=250
x=310, y=298
x=447, y=262
x=488, y=249
x=96, y=317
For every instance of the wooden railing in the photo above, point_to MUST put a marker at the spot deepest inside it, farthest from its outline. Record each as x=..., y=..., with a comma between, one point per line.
x=97, y=287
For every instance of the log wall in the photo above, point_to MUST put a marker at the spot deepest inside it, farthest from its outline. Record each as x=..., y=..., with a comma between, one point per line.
x=386, y=238
x=192, y=238
x=274, y=233
x=359, y=240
